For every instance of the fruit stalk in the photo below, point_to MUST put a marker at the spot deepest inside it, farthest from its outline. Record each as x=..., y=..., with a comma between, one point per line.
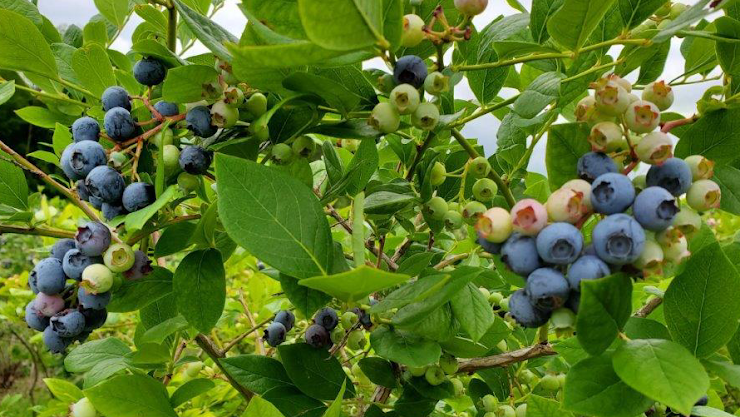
x=37, y=231
x=211, y=350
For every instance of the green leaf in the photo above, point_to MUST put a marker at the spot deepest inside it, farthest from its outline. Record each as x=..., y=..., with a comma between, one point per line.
x=605, y=307
x=185, y=84
x=190, y=390
x=699, y=305
x=303, y=298
x=566, y=143
x=334, y=94
x=351, y=25
x=292, y=402
x=104, y=370
x=45, y=156
x=159, y=333
x=158, y=311
x=95, y=32
x=335, y=408
x=412, y=404
x=137, y=219
x=93, y=68
x=116, y=11
x=542, y=10
x=379, y=371
x=542, y=407
x=635, y=12
x=355, y=285
x=260, y=408
x=174, y=239
x=43, y=117
x=280, y=16
x=726, y=370
x=573, y=23
x=314, y=371
x=274, y=217
x=485, y=84
x=593, y=388
x=473, y=311
x=642, y=328
x=662, y=370
x=84, y=357
x=259, y=374
x=695, y=13
x=24, y=8
x=7, y=89
x=150, y=47
x=200, y=288
x=727, y=51
x=23, y=47
x=393, y=22
x=135, y=295
x=205, y=30
x=416, y=291
x=541, y=92
x=61, y=139
x=716, y=136
x=404, y=347
x=13, y=185
x=63, y=390
x=131, y=396
x=728, y=179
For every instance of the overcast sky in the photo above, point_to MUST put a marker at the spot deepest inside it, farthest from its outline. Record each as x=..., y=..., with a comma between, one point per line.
x=62, y=12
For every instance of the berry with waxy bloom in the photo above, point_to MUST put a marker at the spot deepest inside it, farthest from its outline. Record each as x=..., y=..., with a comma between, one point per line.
x=618, y=239
x=566, y=205
x=674, y=175
x=528, y=217
x=606, y=137
x=559, y=243
x=704, y=195
x=97, y=278
x=655, y=208
x=701, y=167
x=642, y=116
x=495, y=225
x=611, y=98
x=659, y=93
x=654, y=148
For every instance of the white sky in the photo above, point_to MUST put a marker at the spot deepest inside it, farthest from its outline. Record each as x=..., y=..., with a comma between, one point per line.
x=78, y=12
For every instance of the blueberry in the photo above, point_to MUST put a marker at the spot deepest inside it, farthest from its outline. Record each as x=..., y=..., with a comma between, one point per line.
x=111, y=211
x=327, y=318
x=35, y=319
x=142, y=267
x=574, y=301
x=410, y=69
x=195, y=160
x=586, y=267
x=48, y=305
x=48, y=276
x=68, y=323
x=106, y=184
x=119, y=125
x=93, y=301
x=86, y=155
x=594, y=164
x=317, y=336
x=674, y=175
x=54, y=342
x=490, y=247
x=618, y=239
x=520, y=254
x=85, y=128
x=655, y=208
x=149, y=71
x=93, y=239
x=526, y=314
x=547, y=289
x=612, y=193
x=96, y=202
x=363, y=317
x=166, y=108
x=199, y=122
x=115, y=97
x=138, y=195
x=82, y=191
x=275, y=334
x=75, y=262
x=703, y=401
x=66, y=163
x=61, y=247
x=559, y=243
x=94, y=319
x=286, y=318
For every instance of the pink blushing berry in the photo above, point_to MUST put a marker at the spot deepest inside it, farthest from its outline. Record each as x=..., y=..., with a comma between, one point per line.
x=528, y=217
x=566, y=205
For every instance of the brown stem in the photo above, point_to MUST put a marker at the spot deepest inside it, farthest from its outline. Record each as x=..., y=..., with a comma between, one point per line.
x=259, y=344
x=231, y=344
x=178, y=352
x=149, y=133
x=648, y=308
x=506, y=359
x=668, y=126
x=451, y=260
x=35, y=360
x=211, y=350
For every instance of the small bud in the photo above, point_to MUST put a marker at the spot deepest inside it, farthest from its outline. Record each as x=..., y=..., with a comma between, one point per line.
x=704, y=195
x=495, y=225
x=701, y=167
x=654, y=148
x=642, y=117
x=528, y=217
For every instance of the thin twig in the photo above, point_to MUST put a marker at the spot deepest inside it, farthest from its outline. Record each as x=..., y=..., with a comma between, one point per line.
x=236, y=340
x=259, y=345
x=38, y=231
x=211, y=350
x=648, y=308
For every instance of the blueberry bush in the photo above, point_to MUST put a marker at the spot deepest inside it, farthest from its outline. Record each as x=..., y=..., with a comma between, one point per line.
x=294, y=223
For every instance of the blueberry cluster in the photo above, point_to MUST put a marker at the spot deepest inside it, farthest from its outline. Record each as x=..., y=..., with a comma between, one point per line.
x=328, y=328
x=436, y=374
x=65, y=311
x=277, y=331
x=641, y=222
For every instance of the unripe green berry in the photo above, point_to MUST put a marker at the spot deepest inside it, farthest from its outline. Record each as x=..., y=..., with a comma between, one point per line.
x=521, y=410
x=83, y=408
x=550, y=383
x=405, y=98
x=117, y=159
x=677, y=9
x=453, y=206
x=677, y=250
x=303, y=146
x=449, y=364
x=704, y=195
x=687, y=221
x=664, y=10
x=282, y=153
x=356, y=340
x=224, y=115
x=385, y=118
x=495, y=298
x=386, y=83
x=701, y=167
x=119, y=257
x=436, y=208
x=438, y=175
x=664, y=24
x=188, y=182
x=350, y=144
x=349, y=319
x=234, y=96
x=640, y=183
x=642, y=117
x=606, y=137
x=479, y=167
x=97, y=278
x=506, y=411
x=453, y=219
x=495, y=225
x=490, y=403
x=171, y=157
x=337, y=335
x=163, y=137
x=435, y=375
x=193, y=369
x=471, y=7
x=654, y=148
x=659, y=93
x=484, y=292
x=256, y=104
x=612, y=99
x=484, y=189
x=426, y=116
x=413, y=31
x=436, y=83
x=417, y=371
x=651, y=257
x=472, y=211
x=458, y=387
x=563, y=318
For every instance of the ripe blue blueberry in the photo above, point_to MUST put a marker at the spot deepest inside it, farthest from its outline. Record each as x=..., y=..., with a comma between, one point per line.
x=94, y=319
x=115, y=97
x=82, y=191
x=594, y=164
x=286, y=318
x=618, y=239
x=363, y=317
x=547, y=289
x=142, y=267
x=119, y=125
x=68, y=323
x=490, y=247
x=48, y=276
x=95, y=202
x=586, y=267
x=199, y=122
x=410, y=69
x=61, y=247
x=54, y=342
x=317, y=336
x=85, y=156
x=111, y=211
x=327, y=318
x=105, y=183
x=574, y=301
x=519, y=253
x=275, y=334
x=85, y=128
x=195, y=160
x=559, y=243
x=75, y=262
x=149, y=71
x=674, y=175
x=138, y=195
x=93, y=301
x=526, y=314
x=93, y=239
x=166, y=108
x=34, y=318
x=655, y=208
x=66, y=163
x=612, y=193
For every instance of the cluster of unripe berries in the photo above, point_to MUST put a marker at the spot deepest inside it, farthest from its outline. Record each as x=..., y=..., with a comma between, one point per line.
x=438, y=373
x=548, y=383
x=642, y=224
x=66, y=312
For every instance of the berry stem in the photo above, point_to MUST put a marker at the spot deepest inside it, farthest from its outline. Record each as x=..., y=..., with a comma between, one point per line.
x=172, y=28
x=482, y=111
x=211, y=350
x=668, y=126
x=149, y=133
x=37, y=231
x=513, y=61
